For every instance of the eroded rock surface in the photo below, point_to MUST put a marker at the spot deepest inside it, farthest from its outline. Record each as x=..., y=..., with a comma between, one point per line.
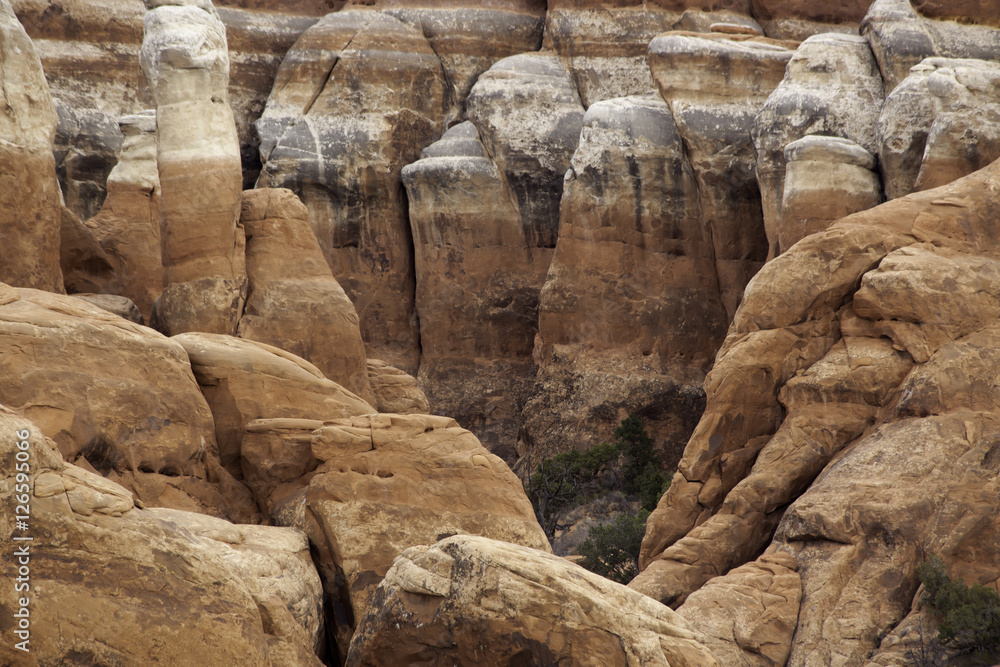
x=355, y=100
x=631, y=311
x=29, y=191
x=832, y=87
x=470, y=600
x=249, y=594
x=185, y=57
x=128, y=224
x=118, y=395
x=477, y=287
x=295, y=303
x=868, y=429
x=375, y=485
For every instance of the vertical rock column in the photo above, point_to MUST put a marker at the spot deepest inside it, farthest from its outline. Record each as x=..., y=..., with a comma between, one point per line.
x=128, y=226
x=29, y=192
x=185, y=58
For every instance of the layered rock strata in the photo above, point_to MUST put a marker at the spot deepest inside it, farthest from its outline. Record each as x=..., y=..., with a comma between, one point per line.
x=29, y=191
x=337, y=131
x=715, y=85
x=832, y=87
x=185, y=58
x=128, y=225
x=477, y=287
x=631, y=311
x=826, y=178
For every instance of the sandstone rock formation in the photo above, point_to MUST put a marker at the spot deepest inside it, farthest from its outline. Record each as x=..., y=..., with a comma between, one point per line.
x=468, y=37
x=631, y=311
x=118, y=395
x=477, y=287
x=243, y=380
x=832, y=87
x=89, y=50
x=862, y=409
x=900, y=37
x=396, y=391
x=180, y=587
x=939, y=124
x=294, y=302
x=84, y=264
x=342, y=128
x=528, y=113
x=128, y=224
x=383, y=483
x=185, y=58
x=826, y=178
x=471, y=600
x=29, y=191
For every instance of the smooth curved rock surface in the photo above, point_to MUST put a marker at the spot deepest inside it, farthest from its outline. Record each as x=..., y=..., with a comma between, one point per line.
x=294, y=301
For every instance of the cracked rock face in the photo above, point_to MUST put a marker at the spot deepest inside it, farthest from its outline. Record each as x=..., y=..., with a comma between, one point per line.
x=356, y=99
x=867, y=437
x=472, y=600
x=369, y=487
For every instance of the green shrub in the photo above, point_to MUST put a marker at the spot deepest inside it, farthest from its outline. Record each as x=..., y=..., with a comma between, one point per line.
x=969, y=615
x=612, y=551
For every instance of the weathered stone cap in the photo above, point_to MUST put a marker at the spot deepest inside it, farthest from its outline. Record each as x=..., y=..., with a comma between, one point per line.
x=829, y=149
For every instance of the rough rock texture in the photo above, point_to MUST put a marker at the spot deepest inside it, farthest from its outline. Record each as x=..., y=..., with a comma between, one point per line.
x=294, y=301
x=128, y=224
x=832, y=87
x=528, y=113
x=471, y=600
x=605, y=47
x=89, y=49
x=384, y=483
x=798, y=19
x=396, y=391
x=339, y=126
x=84, y=264
x=715, y=84
x=185, y=58
x=477, y=287
x=118, y=395
x=29, y=192
x=631, y=313
x=901, y=38
x=850, y=391
x=941, y=123
x=244, y=380
x=180, y=587
x=826, y=178
x=469, y=37
x=965, y=134
x=747, y=617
